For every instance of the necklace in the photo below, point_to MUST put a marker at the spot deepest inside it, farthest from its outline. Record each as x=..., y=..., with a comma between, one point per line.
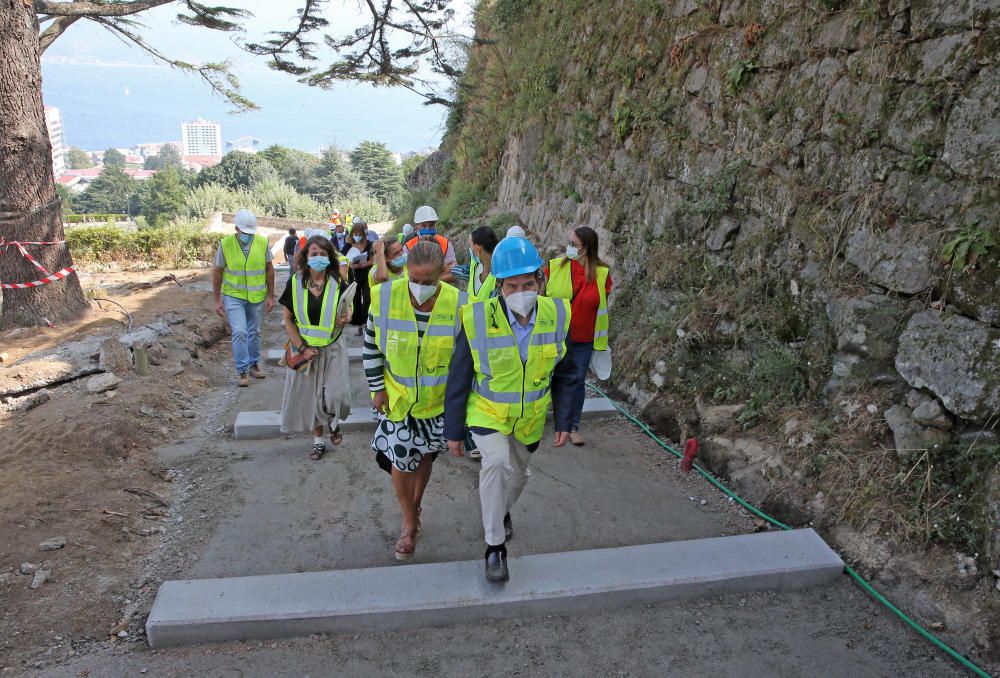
x=313, y=285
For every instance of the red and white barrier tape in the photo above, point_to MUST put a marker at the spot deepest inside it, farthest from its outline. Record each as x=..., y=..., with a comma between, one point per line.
x=58, y=275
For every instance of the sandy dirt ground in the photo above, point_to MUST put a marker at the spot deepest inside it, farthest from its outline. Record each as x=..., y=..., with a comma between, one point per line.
x=261, y=507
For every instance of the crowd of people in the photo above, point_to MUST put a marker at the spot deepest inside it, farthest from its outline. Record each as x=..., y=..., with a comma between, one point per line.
x=472, y=371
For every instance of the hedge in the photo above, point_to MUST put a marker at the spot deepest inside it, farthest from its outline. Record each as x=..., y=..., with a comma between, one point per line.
x=169, y=247
x=93, y=218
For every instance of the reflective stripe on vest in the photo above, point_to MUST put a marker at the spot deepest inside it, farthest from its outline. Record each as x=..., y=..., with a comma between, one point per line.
x=486, y=290
x=416, y=368
x=244, y=276
x=509, y=395
x=315, y=335
x=560, y=285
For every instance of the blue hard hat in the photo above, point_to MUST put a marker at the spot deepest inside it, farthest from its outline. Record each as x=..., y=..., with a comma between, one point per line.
x=514, y=256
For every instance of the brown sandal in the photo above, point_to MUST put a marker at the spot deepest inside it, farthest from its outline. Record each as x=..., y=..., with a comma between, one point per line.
x=337, y=436
x=402, y=551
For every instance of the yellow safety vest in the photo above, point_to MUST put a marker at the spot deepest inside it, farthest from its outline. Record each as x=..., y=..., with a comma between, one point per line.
x=244, y=276
x=319, y=335
x=392, y=276
x=560, y=285
x=488, y=285
x=509, y=395
x=416, y=368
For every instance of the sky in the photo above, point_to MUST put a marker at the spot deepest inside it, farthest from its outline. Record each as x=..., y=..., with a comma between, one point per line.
x=113, y=94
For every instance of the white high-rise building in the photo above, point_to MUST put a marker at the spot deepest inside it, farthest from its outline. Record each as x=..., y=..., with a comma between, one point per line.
x=201, y=137
x=53, y=121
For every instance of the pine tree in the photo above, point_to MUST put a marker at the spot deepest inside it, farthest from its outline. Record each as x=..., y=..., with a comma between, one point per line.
x=374, y=164
x=333, y=179
x=168, y=156
x=295, y=167
x=165, y=197
x=238, y=170
x=110, y=193
x=113, y=158
x=78, y=159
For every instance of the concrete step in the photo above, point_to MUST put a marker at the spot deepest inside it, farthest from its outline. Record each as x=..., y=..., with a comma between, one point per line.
x=267, y=423
x=276, y=354
x=412, y=596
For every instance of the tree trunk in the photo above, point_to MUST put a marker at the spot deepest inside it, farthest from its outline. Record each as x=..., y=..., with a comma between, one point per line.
x=29, y=208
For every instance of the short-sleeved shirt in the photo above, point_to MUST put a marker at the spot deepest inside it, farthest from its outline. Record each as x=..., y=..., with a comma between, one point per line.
x=314, y=304
x=584, y=304
x=220, y=256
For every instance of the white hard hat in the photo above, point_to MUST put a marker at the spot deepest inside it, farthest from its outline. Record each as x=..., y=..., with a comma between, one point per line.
x=246, y=221
x=407, y=229
x=516, y=231
x=424, y=214
x=358, y=221
x=309, y=232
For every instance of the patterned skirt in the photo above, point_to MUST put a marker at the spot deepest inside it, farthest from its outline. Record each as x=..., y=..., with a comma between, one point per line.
x=403, y=444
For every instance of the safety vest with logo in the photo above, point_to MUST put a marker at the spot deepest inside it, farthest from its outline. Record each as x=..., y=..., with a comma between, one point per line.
x=508, y=395
x=244, y=276
x=488, y=285
x=391, y=276
x=322, y=334
x=416, y=368
x=560, y=285
x=441, y=241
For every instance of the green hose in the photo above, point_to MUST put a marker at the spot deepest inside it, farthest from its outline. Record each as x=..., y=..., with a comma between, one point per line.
x=868, y=588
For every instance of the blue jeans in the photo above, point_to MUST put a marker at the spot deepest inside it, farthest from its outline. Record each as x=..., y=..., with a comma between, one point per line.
x=581, y=352
x=244, y=323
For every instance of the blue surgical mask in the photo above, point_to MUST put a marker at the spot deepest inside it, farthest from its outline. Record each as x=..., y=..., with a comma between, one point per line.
x=400, y=261
x=428, y=231
x=473, y=257
x=319, y=263
x=245, y=237
x=358, y=238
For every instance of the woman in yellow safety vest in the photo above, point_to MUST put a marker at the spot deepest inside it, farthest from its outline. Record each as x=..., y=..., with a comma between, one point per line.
x=409, y=341
x=316, y=397
x=390, y=261
x=482, y=283
x=582, y=277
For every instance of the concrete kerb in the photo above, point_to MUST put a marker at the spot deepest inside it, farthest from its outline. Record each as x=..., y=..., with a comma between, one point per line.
x=440, y=594
x=267, y=423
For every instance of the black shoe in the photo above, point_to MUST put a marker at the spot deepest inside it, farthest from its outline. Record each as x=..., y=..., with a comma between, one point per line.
x=496, y=563
x=508, y=528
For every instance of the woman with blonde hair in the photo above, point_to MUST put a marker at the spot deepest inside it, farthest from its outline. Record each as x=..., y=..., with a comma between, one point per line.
x=317, y=393
x=582, y=277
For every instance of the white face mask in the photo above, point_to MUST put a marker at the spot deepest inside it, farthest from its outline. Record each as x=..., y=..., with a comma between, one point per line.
x=422, y=292
x=522, y=303
x=572, y=252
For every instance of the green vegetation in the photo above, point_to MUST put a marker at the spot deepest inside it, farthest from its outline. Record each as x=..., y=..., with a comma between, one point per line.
x=171, y=247
x=111, y=192
x=294, y=167
x=373, y=163
x=168, y=156
x=238, y=170
x=738, y=76
x=971, y=242
x=165, y=197
x=113, y=158
x=78, y=159
x=333, y=179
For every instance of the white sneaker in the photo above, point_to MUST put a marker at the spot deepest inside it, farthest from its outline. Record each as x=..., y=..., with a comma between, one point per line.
x=475, y=454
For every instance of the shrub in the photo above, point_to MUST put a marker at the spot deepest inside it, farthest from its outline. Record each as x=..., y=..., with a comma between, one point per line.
x=93, y=218
x=170, y=247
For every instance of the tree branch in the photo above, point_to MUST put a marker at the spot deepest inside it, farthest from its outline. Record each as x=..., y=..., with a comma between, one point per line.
x=96, y=9
x=58, y=27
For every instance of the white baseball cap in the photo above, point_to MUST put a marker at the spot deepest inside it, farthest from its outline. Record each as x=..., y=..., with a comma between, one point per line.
x=246, y=221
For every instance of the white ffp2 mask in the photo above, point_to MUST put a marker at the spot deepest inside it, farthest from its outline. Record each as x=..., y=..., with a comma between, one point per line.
x=422, y=292
x=522, y=303
x=572, y=252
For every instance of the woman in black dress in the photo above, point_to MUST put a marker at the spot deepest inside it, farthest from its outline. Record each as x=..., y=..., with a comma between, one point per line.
x=361, y=257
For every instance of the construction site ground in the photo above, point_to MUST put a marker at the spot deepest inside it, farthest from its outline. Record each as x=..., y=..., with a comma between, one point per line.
x=92, y=469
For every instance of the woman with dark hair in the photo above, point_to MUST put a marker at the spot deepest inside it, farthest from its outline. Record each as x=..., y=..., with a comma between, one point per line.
x=582, y=277
x=316, y=396
x=482, y=284
x=362, y=257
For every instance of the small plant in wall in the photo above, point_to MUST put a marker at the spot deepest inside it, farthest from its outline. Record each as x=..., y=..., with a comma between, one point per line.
x=922, y=159
x=971, y=242
x=738, y=76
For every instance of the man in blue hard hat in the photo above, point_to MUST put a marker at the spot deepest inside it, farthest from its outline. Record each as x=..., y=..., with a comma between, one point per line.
x=510, y=363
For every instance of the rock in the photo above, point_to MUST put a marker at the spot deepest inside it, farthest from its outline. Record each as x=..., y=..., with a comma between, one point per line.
x=970, y=146
x=28, y=568
x=974, y=292
x=915, y=399
x=53, y=544
x=174, y=370
x=41, y=576
x=870, y=551
x=143, y=336
x=745, y=461
x=866, y=329
x=992, y=519
x=893, y=258
x=910, y=438
x=6, y=578
x=722, y=234
x=28, y=402
x=663, y=417
x=717, y=418
x=188, y=414
x=4, y=358
x=114, y=357
x=927, y=610
x=100, y=383
x=148, y=411
x=172, y=318
x=932, y=414
x=955, y=358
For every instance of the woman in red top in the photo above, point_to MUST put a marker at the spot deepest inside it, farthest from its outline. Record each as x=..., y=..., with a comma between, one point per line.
x=581, y=288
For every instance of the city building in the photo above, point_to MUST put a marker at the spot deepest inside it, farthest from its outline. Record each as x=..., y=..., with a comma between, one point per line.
x=201, y=137
x=200, y=162
x=53, y=121
x=245, y=144
x=152, y=148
